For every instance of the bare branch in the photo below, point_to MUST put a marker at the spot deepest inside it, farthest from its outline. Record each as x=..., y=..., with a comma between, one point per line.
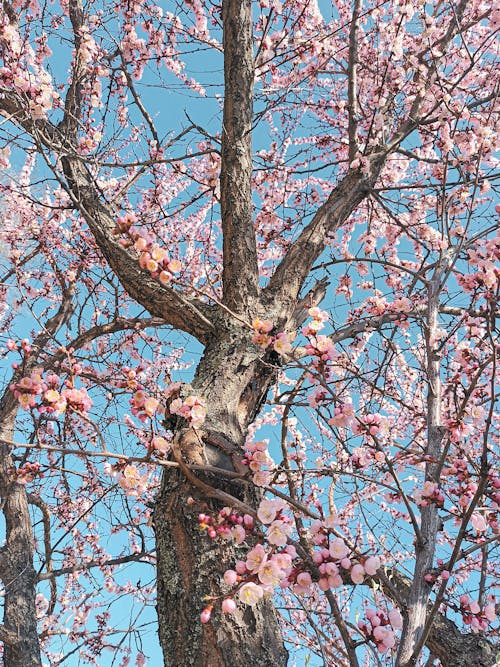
x=83, y=567
x=289, y=276
x=240, y=271
x=353, y=80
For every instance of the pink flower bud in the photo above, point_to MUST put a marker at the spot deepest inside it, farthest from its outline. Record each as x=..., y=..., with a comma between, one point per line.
x=371, y=565
x=230, y=577
x=241, y=567
x=228, y=606
x=474, y=607
x=304, y=579
x=323, y=584
x=206, y=614
x=357, y=574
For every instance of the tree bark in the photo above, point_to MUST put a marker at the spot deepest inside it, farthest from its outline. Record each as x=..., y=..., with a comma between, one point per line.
x=240, y=271
x=425, y=546
x=445, y=641
x=19, y=630
x=234, y=381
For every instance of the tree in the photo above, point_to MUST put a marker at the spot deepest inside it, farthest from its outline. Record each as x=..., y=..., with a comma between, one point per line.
x=342, y=185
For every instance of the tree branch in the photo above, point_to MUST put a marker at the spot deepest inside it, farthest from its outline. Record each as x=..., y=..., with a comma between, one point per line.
x=171, y=305
x=240, y=271
x=289, y=276
x=353, y=81
x=445, y=641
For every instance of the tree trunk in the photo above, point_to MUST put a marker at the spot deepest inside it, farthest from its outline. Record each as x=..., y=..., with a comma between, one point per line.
x=19, y=631
x=233, y=379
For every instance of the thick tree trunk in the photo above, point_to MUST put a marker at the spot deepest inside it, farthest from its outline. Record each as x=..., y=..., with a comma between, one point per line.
x=233, y=381
x=190, y=568
x=19, y=631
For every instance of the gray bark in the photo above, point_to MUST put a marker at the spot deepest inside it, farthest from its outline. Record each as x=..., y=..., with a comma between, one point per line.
x=233, y=379
x=19, y=629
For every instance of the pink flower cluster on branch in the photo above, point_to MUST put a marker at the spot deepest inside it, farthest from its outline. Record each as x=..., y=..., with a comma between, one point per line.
x=379, y=627
x=280, y=342
x=429, y=494
x=257, y=458
x=473, y=615
x=44, y=393
x=143, y=406
x=152, y=257
x=192, y=409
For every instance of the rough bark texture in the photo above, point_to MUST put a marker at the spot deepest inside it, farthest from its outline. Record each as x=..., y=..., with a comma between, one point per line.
x=240, y=251
x=190, y=567
x=19, y=631
x=234, y=381
x=455, y=649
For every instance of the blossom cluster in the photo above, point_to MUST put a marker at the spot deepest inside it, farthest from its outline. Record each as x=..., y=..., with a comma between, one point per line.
x=379, y=627
x=159, y=445
x=192, y=409
x=429, y=494
x=23, y=73
x=343, y=415
x=274, y=561
x=318, y=320
x=264, y=567
x=130, y=380
x=486, y=275
x=152, y=257
x=261, y=571
x=322, y=350
x=371, y=424
x=280, y=342
x=132, y=482
x=464, y=487
x=335, y=558
x=377, y=305
x=45, y=394
x=257, y=458
x=129, y=478
x=143, y=406
x=319, y=347
x=227, y=524
x=473, y=615
x=27, y=472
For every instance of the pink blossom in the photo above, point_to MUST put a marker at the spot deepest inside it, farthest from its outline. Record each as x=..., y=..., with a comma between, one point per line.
x=230, y=577
x=277, y=533
x=206, y=614
x=371, y=565
x=250, y=593
x=357, y=574
x=479, y=523
x=267, y=511
x=338, y=548
x=228, y=606
x=396, y=619
x=269, y=573
x=256, y=557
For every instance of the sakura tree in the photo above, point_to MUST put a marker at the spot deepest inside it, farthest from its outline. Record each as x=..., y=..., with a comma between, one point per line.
x=249, y=298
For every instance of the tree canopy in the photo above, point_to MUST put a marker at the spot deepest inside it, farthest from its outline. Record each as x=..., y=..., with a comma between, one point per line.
x=249, y=293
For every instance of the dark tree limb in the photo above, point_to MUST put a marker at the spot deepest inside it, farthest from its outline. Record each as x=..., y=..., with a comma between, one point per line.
x=240, y=271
